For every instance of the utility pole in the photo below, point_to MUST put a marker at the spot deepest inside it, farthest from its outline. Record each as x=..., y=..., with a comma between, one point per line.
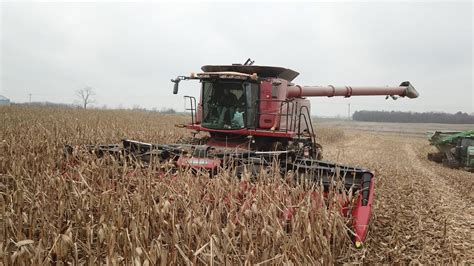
x=29, y=94
x=349, y=111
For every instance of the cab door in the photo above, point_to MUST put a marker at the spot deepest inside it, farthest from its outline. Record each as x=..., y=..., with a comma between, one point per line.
x=268, y=107
x=251, y=102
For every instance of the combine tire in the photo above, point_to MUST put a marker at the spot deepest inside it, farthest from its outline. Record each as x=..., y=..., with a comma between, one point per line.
x=436, y=157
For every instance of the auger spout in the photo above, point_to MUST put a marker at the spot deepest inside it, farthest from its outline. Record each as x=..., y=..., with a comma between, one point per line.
x=404, y=90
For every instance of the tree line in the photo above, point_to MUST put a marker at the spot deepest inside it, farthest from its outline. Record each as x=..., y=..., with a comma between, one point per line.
x=413, y=117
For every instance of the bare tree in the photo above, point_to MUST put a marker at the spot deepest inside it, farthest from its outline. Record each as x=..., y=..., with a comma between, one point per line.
x=85, y=95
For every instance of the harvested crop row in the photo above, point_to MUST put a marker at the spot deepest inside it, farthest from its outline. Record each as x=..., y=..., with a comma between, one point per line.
x=423, y=211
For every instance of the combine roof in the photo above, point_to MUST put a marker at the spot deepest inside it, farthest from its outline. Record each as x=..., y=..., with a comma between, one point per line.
x=3, y=98
x=262, y=71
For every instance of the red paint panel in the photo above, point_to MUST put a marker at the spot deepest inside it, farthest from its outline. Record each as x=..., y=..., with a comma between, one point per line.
x=268, y=109
x=361, y=215
x=247, y=132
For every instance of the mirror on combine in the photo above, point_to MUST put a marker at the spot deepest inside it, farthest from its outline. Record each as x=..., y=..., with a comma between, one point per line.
x=176, y=85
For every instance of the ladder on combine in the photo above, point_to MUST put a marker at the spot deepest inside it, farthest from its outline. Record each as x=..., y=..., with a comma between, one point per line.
x=293, y=116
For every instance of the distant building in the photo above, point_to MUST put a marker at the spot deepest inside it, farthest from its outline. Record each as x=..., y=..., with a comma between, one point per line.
x=4, y=100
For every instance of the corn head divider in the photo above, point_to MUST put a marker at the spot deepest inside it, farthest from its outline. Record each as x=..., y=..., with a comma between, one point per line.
x=254, y=118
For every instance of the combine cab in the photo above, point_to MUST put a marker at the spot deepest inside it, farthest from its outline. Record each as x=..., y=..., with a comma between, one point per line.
x=256, y=118
x=455, y=149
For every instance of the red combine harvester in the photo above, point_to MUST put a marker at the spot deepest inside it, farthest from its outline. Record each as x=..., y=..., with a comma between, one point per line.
x=255, y=118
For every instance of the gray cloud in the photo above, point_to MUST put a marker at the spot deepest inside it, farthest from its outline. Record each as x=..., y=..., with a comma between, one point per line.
x=129, y=51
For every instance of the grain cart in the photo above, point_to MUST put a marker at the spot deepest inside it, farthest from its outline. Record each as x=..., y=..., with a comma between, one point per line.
x=255, y=117
x=455, y=149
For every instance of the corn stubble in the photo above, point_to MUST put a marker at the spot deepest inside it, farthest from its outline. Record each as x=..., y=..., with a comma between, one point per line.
x=92, y=211
x=423, y=212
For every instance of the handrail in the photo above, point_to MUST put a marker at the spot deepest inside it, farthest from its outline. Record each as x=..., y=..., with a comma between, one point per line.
x=279, y=112
x=192, y=100
x=309, y=125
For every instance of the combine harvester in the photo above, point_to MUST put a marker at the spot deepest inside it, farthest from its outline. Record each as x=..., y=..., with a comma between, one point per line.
x=257, y=118
x=455, y=149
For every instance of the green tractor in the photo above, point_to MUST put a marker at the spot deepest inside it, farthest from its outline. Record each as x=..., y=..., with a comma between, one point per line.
x=455, y=148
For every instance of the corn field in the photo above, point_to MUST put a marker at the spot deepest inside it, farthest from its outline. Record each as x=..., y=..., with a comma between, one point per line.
x=99, y=211
x=96, y=211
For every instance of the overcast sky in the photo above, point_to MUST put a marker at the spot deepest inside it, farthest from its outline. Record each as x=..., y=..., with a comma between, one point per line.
x=128, y=52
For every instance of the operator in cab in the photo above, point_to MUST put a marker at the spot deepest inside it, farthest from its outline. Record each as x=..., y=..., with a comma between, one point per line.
x=226, y=109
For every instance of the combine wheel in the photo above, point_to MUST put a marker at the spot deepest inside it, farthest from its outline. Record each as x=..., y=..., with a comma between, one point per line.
x=277, y=146
x=450, y=161
x=436, y=157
